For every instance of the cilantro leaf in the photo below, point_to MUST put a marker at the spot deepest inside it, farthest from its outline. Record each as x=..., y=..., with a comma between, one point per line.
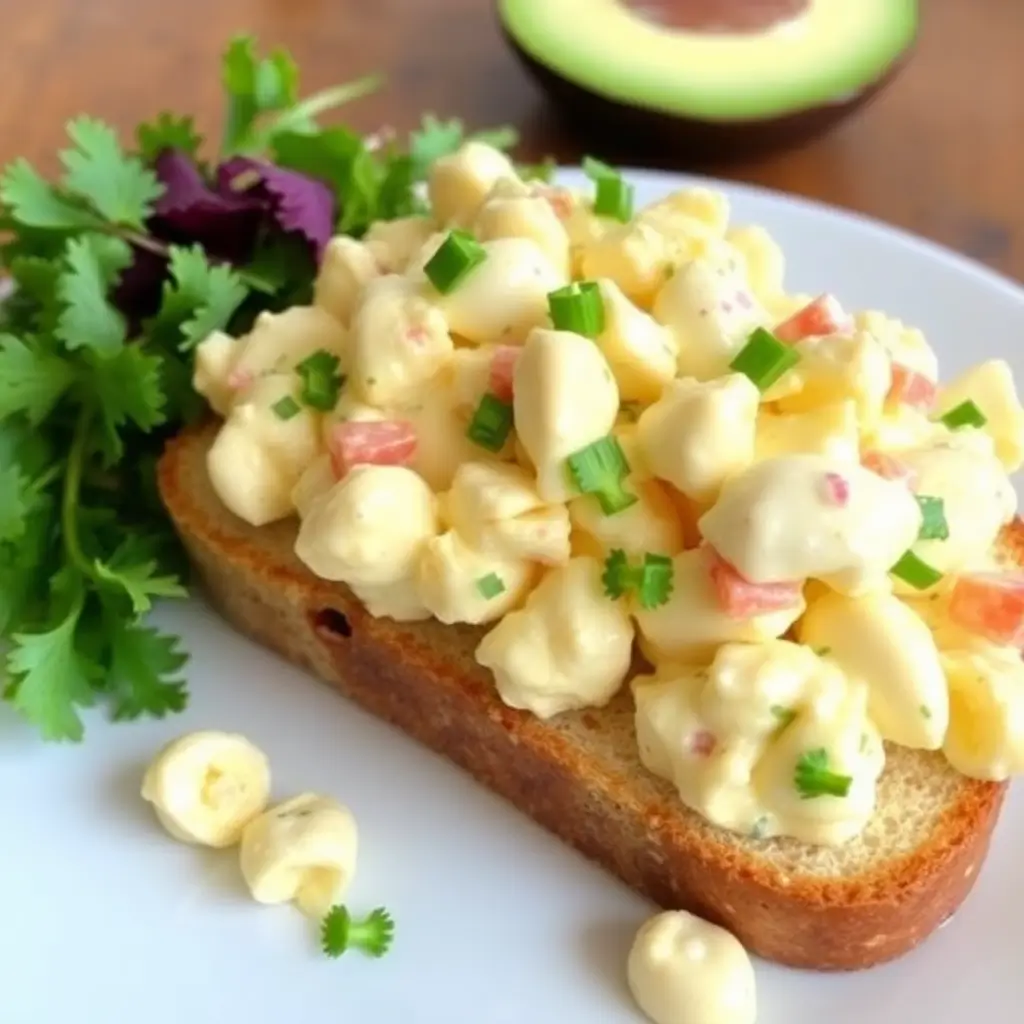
x=89, y=320
x=15, y=502
x=31, y=379
x=119, y=186
x=50, y=677
x=34, y=202
x=301, y=116
x=327, y=155
x=339, y=931
x=127, y=389
x=36, y=278
x=436, y=139
x=252, y=87
x=144, y=672
x=167, y=131
x=238, y=78
x=200, y=298
x=131, y=572
x=814, y=778
x=276, y=84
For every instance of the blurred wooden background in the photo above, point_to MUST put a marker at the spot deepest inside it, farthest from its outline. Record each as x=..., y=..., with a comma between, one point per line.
x=941, y=153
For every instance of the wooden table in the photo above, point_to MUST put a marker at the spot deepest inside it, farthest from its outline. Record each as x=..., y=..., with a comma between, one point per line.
x=941, y=152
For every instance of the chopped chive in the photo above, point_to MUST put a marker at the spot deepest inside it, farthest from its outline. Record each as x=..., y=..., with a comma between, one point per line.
x=656, y=581
x=915, y=571
x=286, y=408
x=613, y=197
x=543, y=171
x=596, y=169
x=458, y=255
x=490, y=585
x=966, y=414
x=652, y=581
x=764, y=359
x=813, y=777
x=933, y=518
x=926, y=711
x=491, y=423
x=600, y=469
x=578, y=307
x=321, y=381
x=822, y=652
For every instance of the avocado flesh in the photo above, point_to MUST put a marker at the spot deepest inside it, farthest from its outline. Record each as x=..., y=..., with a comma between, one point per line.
x=827, y=56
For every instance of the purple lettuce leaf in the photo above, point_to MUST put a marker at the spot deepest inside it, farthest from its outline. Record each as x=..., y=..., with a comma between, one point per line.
x=297, y=203
x=189, y=211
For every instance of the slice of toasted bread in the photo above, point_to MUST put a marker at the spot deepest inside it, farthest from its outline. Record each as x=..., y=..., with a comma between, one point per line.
x=579, y=775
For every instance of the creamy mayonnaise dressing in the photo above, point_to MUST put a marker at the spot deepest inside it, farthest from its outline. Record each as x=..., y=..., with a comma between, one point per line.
x=682, y=457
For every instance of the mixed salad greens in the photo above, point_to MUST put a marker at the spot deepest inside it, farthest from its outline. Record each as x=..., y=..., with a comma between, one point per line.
x=115, y=273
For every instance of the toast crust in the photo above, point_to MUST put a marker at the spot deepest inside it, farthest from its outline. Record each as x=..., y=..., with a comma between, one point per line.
x=417, y=677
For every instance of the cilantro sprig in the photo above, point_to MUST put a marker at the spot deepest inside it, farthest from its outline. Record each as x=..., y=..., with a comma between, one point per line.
x=373, y=934
x=116, y=279
x=813, y=777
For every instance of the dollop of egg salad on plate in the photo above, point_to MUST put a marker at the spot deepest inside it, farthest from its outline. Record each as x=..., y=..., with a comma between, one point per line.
x=587, y=427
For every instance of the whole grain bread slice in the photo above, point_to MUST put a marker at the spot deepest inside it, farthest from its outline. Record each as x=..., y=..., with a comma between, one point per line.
x=579, y=775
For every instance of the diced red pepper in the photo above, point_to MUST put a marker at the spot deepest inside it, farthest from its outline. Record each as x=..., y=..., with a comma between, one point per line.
x=741, y=599
x=889, y=466
x=371, y=442
x=239, y=380
x=991, y=605
x=837, y=489
x=702, y=743
x=822, y=316
x=912, y=388
x=559, y=199
x=503, y=366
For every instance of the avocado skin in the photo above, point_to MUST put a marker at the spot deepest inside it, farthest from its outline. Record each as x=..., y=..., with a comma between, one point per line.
x=669, y=140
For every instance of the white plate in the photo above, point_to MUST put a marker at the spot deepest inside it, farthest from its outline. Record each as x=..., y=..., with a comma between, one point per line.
x=104, y=918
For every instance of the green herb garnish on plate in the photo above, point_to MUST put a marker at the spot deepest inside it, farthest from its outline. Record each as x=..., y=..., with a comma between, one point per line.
x=117, y=270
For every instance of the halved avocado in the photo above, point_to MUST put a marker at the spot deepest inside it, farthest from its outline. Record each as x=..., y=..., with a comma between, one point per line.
x=710, y=76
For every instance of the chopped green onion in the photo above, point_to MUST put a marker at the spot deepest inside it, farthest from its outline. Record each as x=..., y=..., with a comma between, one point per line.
x=596, y=169
x=287, y=408
x=456, y=257
x=915, y=571
x=613, y=197
x=651, y=581
x=933, y=518
x=654, y=587
x=784, y=716
x=491, y=423
x=490, y=585
x=578, y=307
x=764, y=359
x=822, y=652
x=321, y=382
x=544, y=171
x=813, y=777
x=926, y=712
x=600, y=469
x=966, y=414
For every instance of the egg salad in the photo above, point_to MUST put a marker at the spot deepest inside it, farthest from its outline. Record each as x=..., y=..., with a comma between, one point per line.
x=600, y=433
